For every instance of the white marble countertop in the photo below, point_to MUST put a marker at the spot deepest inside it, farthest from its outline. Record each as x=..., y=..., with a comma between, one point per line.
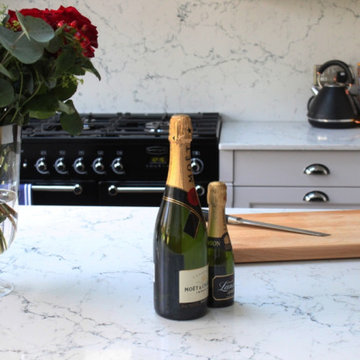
x=83, y=290
x=285, y=135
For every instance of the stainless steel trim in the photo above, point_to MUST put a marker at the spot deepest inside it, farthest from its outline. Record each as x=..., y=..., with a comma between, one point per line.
x=316, y=196
x=114, y=190
x=76, y=189
x=316, y=169
x=332, y=120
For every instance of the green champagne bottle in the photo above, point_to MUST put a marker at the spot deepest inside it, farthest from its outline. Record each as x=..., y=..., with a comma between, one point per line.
x=220, y=254
x=180, y=237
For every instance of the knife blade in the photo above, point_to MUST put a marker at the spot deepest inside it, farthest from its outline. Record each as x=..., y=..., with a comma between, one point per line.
x=236, y=220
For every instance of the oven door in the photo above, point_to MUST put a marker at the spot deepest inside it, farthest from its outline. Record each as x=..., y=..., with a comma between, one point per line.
x=64, y=193
x=130, y=193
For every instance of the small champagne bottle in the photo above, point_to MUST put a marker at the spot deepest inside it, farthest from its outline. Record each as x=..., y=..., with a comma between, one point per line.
x=180, y=237
x=220, y=255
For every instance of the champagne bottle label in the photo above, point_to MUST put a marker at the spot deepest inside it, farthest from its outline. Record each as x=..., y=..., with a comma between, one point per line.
x=193, y=285
x=222, y=283
x=222, y=286
x=188, y=200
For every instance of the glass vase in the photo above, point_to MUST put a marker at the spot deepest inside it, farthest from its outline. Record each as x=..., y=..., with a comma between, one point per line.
x=10, y=143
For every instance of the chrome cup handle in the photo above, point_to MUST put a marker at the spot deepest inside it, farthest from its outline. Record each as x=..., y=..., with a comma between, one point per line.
x=316, y=196
x=316, y=169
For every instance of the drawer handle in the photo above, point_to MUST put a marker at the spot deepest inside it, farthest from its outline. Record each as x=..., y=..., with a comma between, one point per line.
x=316, y=196
x=317, y=169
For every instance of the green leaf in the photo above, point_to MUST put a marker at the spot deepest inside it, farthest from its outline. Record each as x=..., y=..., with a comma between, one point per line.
x=64, y=61
x=77, y=70
x=41, y=115
x=36, y=28
x=71, y=123
x=65, y=90
x=54, y=44
x=7, y=93
x=66, y=108
x=18, y=45
x=42, y=106
x=28, y=83
x=88, y=66
x=6, y=72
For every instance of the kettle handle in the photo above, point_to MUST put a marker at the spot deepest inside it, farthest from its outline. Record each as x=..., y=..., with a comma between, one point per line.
x=341, y=64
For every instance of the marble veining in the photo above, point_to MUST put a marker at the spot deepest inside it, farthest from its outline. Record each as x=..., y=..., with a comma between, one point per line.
x=83, y=290
x=247, y=59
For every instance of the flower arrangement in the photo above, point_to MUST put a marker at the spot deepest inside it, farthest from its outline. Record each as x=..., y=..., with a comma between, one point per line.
x=42, y=55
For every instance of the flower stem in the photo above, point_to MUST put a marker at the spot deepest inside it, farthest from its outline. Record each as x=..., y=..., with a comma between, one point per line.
x=17, y=108
x=40, y=83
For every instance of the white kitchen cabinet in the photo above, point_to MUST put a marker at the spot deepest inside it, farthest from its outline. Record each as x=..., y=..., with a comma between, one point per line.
x=293, y=197
x=310, y=168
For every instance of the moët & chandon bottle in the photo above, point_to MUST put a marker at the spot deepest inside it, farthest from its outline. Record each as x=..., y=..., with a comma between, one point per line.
x=180, y=237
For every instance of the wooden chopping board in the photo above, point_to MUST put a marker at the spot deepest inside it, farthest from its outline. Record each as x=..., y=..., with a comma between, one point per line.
x=252, y=244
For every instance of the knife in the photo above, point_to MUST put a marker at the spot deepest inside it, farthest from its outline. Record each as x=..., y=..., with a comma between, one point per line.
x=236, y=220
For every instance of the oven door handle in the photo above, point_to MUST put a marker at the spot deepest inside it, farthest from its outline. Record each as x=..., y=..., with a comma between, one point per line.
x=114, y=190
x=76, y=189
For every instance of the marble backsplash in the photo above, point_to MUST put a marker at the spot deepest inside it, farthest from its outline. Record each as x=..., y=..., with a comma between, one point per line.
x=247, y=59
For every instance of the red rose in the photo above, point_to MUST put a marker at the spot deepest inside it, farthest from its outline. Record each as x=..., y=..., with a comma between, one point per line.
x=192, y=197
x=79, y=22
x=68, y=17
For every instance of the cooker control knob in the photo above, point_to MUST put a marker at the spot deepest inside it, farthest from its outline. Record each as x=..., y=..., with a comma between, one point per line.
x=98, y=165
x=60, y=166
x=79, y=166
x=197, y=166
x=41, y=166
x=200, y=190
x=117, y=166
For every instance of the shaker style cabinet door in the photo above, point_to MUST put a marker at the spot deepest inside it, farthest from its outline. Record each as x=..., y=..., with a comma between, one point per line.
x=297, y=168
x=320, y=179
x=296, y=197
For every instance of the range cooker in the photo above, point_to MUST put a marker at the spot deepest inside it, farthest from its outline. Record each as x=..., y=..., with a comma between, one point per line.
x=118, y=159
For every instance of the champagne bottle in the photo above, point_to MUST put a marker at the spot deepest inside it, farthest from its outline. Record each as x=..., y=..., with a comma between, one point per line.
x=180, y=238
x=220, y=255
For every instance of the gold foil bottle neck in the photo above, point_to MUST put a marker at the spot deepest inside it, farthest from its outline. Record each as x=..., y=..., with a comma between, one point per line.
x=180, y=128
x=216, y=195
x=216, y=198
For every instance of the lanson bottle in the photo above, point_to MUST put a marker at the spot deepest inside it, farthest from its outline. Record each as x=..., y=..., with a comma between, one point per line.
x=180, y=239
x=220, y=255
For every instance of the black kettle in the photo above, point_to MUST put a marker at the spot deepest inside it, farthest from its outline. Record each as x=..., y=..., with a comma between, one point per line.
x=333, y=106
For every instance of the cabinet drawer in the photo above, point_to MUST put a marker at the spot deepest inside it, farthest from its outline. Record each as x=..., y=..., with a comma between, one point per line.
x=286, y=168
x=293, y=197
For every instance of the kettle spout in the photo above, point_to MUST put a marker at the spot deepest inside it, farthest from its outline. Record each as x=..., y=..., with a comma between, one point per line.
x=315, y=90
